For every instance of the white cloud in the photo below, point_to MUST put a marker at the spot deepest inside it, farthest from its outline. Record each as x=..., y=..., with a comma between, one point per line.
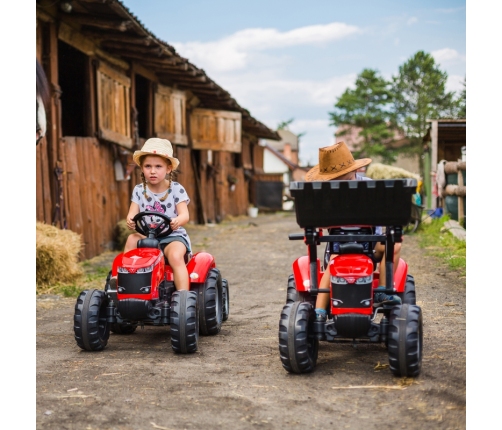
x=412, y=20
x=447, y=56
x=455, y=83
x=235, y=52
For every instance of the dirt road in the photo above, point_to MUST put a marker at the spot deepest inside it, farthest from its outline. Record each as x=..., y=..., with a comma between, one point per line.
x=236, y=380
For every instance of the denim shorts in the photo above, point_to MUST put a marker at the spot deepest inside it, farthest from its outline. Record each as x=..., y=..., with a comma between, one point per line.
x=166, y=240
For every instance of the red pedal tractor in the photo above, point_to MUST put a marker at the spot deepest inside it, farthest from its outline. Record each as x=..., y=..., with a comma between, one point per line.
x=350, y=209
x=145, y=294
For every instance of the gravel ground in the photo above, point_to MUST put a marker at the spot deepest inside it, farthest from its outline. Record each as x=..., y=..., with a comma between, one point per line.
x=236, y=380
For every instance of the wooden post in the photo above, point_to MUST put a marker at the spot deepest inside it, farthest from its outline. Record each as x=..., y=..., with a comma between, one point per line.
x=460, y=198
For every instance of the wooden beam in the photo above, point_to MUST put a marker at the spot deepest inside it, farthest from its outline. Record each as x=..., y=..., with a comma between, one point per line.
x=143, y=71
x=85, y=45
x=156, y=50
x=146, y=58
x=95, y=21
x=118, y=37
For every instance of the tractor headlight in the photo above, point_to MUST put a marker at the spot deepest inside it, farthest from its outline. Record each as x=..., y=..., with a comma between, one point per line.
x=365, y=280
x=338, y=280
x=145, y=269
x=122, y=270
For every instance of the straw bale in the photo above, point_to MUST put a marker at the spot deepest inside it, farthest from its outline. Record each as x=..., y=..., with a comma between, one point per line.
x=383, y=171
x=57, y=256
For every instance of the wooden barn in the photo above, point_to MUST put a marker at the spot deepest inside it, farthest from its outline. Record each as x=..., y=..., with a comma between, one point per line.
x=113, y=85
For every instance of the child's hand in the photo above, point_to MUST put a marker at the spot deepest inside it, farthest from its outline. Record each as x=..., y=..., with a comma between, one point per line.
x=175, y=223
x=131, y=225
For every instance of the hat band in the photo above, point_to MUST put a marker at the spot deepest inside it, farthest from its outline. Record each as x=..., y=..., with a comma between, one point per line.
x=336, y=168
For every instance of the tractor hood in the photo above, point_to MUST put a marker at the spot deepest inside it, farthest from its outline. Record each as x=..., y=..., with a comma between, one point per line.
x=141, y=257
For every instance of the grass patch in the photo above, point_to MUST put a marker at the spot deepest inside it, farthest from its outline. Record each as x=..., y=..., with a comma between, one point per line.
x=439, y=242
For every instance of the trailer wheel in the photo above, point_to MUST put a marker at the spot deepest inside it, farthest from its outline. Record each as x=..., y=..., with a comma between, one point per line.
x=298, y=347
x=89, y=320
x=184, y=321
x=405, y=338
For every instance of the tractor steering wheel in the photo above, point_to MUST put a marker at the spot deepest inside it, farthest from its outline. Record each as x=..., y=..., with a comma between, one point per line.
x=152, y=229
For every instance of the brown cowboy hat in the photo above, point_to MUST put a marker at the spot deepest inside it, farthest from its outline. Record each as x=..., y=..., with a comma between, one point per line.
x=334, y=161
x=157, y=146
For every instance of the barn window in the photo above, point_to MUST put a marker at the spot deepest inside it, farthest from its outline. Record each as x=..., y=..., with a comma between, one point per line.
x=170, y=115
x=143, y=97
x=114, y=105
x=216, y=130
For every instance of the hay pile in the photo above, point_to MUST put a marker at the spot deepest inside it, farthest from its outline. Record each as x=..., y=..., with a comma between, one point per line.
x=121, y=233
x=383, y=171
x=57, y=256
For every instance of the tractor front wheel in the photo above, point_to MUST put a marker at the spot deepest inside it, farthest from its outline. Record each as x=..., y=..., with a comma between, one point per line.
x=298, y=347
x=184, y=321
x=405, y=338
x=89, y=320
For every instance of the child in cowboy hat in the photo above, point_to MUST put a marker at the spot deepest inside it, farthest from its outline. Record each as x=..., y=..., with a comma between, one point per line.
x=159, y=193
x=337, y=163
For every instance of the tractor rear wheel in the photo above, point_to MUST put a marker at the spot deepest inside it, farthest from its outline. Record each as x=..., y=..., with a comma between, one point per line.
x=226, y=299
x=211, y=304
x=293, y=295
x=184, y=321
x=405, y=338
x=89, y=320
x=409, y=296
x=298, y=347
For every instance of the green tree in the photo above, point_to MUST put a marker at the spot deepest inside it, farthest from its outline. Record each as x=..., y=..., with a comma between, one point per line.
x=462, y=105
x=420, y=94
x=368, y=107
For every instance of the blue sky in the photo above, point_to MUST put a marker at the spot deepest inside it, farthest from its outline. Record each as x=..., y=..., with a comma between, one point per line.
x=292, y=59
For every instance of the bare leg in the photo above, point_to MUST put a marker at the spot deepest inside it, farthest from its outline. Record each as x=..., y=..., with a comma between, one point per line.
x=132, y=241
x=322, y=300
x=175, y=254
x=380, y=250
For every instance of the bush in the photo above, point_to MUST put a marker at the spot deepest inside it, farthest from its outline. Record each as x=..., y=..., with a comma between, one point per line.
x=57, y=257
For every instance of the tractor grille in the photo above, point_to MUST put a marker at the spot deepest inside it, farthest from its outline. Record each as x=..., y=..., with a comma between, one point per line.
x=351, y=295
x=131, y=283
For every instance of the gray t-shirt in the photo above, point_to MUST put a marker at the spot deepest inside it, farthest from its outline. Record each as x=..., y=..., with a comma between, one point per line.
x=176, y=195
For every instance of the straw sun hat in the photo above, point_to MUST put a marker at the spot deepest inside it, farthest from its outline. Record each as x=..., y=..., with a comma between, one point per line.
x=334, y=161
x=156, y=146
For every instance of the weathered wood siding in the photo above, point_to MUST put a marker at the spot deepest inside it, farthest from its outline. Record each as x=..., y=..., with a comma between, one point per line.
x=185, y=176
x=96, y=201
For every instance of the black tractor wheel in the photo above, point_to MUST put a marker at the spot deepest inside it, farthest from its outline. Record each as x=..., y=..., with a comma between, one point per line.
x=298, y=347
x=210, y=297
x=293, y=295
x=89, y=320
x=122, y=328
x=408, y=297
x=226, y=299
x=184, y=321
x=405, y=338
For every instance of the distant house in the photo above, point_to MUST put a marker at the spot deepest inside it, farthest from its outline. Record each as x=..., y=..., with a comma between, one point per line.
x=350, y=135
x=281, y=158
